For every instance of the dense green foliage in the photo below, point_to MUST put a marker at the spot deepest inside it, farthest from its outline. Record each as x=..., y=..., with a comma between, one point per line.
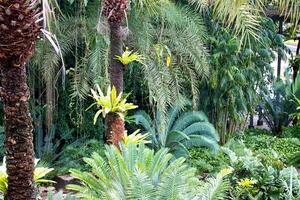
x=137, y=172
x=182, y=131
x=269, y=146
x=71, y=156
x=218, y=54
x=254, y=179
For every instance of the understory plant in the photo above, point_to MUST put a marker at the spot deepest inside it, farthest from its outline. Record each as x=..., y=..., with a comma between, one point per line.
x=253, y=179
x=137, y=172
x=269, y=148
x=181, y=131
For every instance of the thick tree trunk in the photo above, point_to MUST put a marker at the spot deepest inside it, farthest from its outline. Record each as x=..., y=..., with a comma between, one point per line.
x=18, y=131
x=115, y=129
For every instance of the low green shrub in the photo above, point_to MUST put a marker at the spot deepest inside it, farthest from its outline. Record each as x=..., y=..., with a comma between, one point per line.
x=253, y=179
x=72, y=155
x=270, y=147
x=206, y=161
x=292, y=131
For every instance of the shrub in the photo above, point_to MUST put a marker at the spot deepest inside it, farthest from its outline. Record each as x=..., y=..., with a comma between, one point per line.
x=292, y=131
x=72, y=155
x=182, y=131
x=207, y=162
x=252, y=179
x=271, y=147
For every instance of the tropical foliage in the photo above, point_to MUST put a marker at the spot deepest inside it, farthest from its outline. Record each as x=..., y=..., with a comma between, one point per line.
x=110, y=103
x=220, y=55
x=182, y=131
x=137, y=172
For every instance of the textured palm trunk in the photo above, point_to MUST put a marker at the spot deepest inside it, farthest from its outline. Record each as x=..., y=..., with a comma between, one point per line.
x=18, y=32
x=115, y=10
x=116, y=49
x=114, y=124
x=18, y=130
x=115, y=128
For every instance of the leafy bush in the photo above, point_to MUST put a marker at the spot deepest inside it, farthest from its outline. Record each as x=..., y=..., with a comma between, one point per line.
x=207, y=162
x=72, y=155
x=292, y=131
x=253, y=179
x=182, y=130
x=295, y=159
x=136, y=172
x=267, y=146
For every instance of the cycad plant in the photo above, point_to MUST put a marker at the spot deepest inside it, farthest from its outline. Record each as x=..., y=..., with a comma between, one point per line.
x=19, y=30
x=181, y=131
x=137, y=172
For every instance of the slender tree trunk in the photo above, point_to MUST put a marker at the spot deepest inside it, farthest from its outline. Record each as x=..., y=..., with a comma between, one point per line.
x=115, y=125
x=115, y=11
x=116, y=49
x=18, y=131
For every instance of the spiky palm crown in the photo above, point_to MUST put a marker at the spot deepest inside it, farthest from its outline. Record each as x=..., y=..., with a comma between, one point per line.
x=19, y=30
x=115, y=10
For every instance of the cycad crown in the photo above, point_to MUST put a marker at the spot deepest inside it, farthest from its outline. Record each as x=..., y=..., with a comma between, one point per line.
x=18, y=30
x=115, y=10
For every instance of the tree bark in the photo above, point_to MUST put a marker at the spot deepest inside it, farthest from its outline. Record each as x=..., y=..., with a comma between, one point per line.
x=116, y=49
x=18, y=131
x=115, y=129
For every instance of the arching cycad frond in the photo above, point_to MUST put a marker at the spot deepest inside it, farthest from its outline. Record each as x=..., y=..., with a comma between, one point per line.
x=183, y=130
x=136, y=172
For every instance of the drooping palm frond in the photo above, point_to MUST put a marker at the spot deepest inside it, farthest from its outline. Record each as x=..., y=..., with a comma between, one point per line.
x=289, y=9
x=242, y=15
x=171, y=40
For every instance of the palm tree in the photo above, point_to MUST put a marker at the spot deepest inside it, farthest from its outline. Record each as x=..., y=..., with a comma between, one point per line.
x=19, y=31
x=114, y=11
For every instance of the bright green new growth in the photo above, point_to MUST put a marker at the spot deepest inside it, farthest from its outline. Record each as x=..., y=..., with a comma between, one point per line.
x=128, y=57
x=110, y=103
x=136, y=172
x=182, y=131
x=39, y=174
x=136, y=138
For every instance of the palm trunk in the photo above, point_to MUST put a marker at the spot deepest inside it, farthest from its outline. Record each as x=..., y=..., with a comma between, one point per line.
x=115, y=11
x=115, y=129
x=18, y=32
x=116, y=49
x=115, y=125
x=18, y=131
